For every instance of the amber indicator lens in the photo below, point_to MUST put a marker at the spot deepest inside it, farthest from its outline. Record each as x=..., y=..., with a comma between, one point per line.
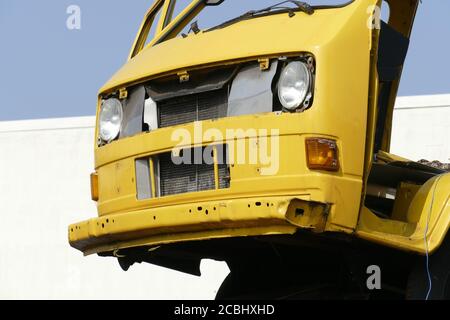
x=322, y=154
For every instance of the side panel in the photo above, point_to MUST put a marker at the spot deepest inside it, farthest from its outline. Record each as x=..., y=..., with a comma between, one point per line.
x=429, y=216
x=402, y=15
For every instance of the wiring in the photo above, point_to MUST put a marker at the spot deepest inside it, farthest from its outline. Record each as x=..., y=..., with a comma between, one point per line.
x=427, y=260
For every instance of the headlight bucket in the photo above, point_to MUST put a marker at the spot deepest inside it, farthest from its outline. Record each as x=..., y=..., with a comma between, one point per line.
x=110, y=119
x=294, y=85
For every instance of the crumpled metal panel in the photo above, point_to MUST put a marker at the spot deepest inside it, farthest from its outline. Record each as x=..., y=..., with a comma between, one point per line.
x=251, y=91
x=133, y=111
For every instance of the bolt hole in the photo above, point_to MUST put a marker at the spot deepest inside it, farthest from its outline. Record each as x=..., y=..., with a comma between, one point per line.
x=214, y=208
x=267, y=204
x=154, y=217
x=258, y=204
x=249, y=205
x=103, y=225
x=299, y=212
x=71, y=229
x=199, y=208
x=107, y=220
x=190, y=210
x=206, y=211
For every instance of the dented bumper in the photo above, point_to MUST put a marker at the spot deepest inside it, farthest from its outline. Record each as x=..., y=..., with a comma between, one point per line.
x=207, y=220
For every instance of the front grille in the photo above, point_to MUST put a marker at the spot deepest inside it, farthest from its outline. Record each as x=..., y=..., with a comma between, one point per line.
x=183, y=178
x=198, y=176
x=194, y=107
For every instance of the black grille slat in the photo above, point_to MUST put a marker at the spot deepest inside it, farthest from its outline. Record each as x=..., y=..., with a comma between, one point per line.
x=205, y=177
x=176, y=111
x=223, y=167
x=212, y=105
x=184, y=178
x=175, y=179
x=194, y=107
x=224, y=176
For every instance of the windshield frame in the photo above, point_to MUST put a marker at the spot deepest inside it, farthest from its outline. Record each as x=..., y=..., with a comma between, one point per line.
x=261, y=14
x=174, y=26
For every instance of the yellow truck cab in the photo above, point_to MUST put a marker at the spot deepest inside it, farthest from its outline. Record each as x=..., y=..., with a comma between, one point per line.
x=258, y=133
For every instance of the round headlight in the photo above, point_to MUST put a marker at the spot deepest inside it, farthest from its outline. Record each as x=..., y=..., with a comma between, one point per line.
x=293, y=85
x=110, y=119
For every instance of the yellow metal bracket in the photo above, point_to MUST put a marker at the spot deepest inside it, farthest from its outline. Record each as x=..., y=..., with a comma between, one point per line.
x=264, y=64
x=123, y=93
x=184, y=76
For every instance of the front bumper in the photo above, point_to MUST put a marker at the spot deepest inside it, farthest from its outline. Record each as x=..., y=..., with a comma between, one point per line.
x=197, y=221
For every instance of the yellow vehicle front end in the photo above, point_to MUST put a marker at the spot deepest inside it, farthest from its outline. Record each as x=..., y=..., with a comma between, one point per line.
x=272, y=171
x=257, y=200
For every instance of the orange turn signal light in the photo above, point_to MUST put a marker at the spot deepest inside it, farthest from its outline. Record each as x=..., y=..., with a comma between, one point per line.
x=322, y=154
x=94, y=186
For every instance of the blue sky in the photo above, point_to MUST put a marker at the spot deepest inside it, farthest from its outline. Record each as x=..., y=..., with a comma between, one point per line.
x=49, y=71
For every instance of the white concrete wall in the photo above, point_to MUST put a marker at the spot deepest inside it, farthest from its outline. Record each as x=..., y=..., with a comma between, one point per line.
x=44, y=186
x=421, y=128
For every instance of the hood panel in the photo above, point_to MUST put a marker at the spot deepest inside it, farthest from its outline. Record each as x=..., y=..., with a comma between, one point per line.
x=263, y=36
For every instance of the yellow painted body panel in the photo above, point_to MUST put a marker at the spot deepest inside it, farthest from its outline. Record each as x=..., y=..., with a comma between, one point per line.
x=428, y=220
x=343, y=107
x=340, y=32
x=212, y=219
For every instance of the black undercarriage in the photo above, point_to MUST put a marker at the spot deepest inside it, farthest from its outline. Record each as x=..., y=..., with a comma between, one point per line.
x=299, y=266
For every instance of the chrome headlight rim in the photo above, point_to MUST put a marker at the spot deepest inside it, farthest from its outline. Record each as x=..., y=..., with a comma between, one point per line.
x=115, y=120
x=304, y=95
